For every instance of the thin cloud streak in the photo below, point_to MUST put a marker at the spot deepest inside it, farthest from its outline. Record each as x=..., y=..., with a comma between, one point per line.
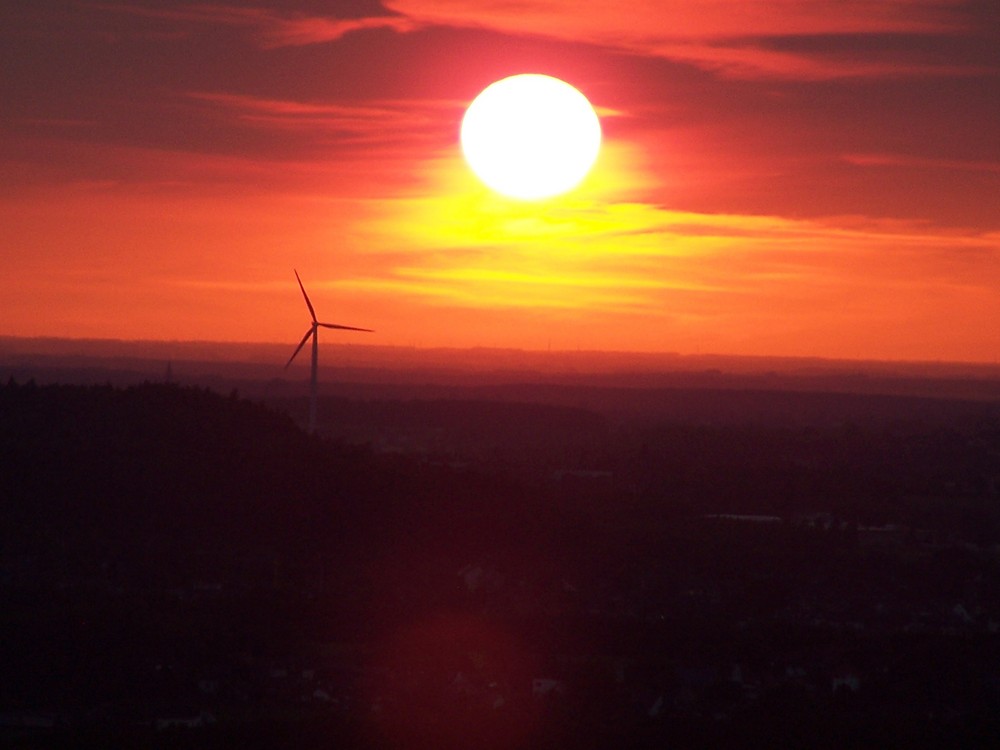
x=603, y=22
x=918, y=162
x=374, y=120
x=751, y=62
x=272, y=28
x=728, y=37
x=635, y=256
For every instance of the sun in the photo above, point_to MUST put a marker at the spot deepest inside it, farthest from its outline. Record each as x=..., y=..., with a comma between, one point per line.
x=530, y=136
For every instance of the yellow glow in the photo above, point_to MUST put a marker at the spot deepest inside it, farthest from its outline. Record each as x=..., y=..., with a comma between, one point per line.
x=530, y=136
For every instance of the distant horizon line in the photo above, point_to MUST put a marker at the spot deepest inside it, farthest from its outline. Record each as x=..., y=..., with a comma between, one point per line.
x=649, y=357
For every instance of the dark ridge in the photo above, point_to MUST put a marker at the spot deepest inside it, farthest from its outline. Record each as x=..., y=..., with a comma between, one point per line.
x=172, y=457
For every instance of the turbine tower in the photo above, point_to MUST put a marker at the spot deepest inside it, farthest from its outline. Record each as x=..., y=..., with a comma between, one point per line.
x=313, y=332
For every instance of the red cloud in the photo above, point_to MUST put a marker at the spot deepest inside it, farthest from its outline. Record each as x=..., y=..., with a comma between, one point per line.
x=601, y=21
x=726, y=36
x=273, y=27
x=729, y=37
x=756, y=62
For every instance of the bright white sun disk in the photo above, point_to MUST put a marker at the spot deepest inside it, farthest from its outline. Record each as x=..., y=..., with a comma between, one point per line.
x=530, y=136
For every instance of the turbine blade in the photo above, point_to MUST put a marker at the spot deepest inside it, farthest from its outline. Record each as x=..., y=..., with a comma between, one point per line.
x=310, y=332
x=308, y=303
x=345, y=328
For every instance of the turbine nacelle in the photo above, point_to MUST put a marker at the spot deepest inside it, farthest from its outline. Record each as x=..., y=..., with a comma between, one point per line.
x=313, y=333
x=316, y=324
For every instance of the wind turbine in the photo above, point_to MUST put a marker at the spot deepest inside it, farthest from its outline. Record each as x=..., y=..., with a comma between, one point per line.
x=313, y=332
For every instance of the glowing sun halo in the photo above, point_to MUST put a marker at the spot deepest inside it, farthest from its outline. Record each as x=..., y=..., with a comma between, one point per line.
x=530, y=136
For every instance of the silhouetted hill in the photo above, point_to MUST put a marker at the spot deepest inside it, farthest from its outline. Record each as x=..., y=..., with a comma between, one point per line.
x=734, y=404
x=160, y=474
x=168, y=459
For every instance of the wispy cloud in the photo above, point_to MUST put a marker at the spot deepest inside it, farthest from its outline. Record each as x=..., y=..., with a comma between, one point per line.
x=370, y=119
x=610, y=257
x=754, y=61
x=730, y=37
x=272, y=27
x=921, y=162
x=606, y=22
x=733, y=38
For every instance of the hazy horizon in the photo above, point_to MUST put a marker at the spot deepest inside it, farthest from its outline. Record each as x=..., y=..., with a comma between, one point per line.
x=374, y=363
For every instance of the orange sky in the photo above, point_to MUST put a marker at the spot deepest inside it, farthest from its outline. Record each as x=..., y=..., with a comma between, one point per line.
x=778, y=177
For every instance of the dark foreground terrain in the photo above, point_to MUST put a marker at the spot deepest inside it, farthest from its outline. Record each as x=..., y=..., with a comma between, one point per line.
x=543, y=567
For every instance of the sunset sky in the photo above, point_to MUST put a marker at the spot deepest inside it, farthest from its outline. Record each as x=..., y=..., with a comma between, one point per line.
x=777, y=177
